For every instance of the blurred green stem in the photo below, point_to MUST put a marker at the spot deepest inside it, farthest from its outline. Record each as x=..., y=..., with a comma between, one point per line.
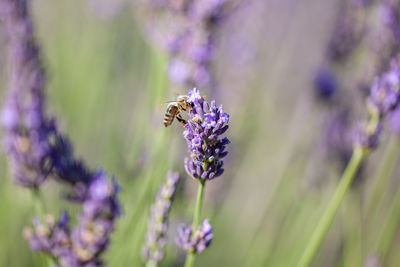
x=196, y=217
x=156, y=89
x=38, y=203
x=381, y=180
x=389, y=227
x=333, y=206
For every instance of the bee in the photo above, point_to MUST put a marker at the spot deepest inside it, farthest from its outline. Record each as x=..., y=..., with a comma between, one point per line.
x=174, y=110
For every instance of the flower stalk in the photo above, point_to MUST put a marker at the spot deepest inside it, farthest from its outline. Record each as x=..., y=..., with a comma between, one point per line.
x=389, y=227
x=333, y=206
x=191, y=255
x=156, y=237
x=38, y=203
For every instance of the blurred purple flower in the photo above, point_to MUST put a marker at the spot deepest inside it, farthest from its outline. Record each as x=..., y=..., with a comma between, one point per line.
x=49, y=236
x=385, y=91
x=187, y=30
x=156, y=237
x=198, y=241
x=384, y=98
x=37, y=150
x=35, y=147
x=348, y=30
x=84, y=244
x=387, y=37
x=28, y=133
x=100, y=208
x=394, y=120
x=325, y=83
x=337, y=136
x=203, y=133
x=367, y=137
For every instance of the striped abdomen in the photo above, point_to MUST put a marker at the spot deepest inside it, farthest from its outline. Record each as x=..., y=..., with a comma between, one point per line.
x=172, y=111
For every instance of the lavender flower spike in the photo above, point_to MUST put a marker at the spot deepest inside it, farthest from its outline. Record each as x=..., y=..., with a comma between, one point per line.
x=28, y=132
x=188, y=31
x=37, y=150
x=203, y=135
x=91, y=237
x=153, y=249
x=382, y=102
x=200, y=240
x=84, y=244
x=385, y=91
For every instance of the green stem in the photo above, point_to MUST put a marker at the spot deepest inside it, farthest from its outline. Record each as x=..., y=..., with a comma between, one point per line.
x=333, y=206
x=38, y=203
x=196, y=219
x=375, y=198
x=389, y=227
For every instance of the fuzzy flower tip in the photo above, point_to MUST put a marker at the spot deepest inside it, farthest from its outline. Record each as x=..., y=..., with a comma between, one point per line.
x=198, y=241
x=156, y=237
x=203, y=134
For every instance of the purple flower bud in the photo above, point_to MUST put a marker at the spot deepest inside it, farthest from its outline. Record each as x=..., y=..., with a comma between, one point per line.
x=325, y=83
x=153, y=248
x=195, y=242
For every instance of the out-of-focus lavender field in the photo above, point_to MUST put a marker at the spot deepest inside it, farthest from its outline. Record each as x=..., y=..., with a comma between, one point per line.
x=295, y=78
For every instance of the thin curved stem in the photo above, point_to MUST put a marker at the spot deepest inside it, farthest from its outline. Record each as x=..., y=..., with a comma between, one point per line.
x=38, y=203
x=196, y=220
x=333, y=206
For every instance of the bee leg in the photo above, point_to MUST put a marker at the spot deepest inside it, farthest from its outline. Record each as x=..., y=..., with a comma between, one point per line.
x=181, y=120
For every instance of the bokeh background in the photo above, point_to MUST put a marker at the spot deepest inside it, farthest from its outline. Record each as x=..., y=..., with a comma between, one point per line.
x=108, y=81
